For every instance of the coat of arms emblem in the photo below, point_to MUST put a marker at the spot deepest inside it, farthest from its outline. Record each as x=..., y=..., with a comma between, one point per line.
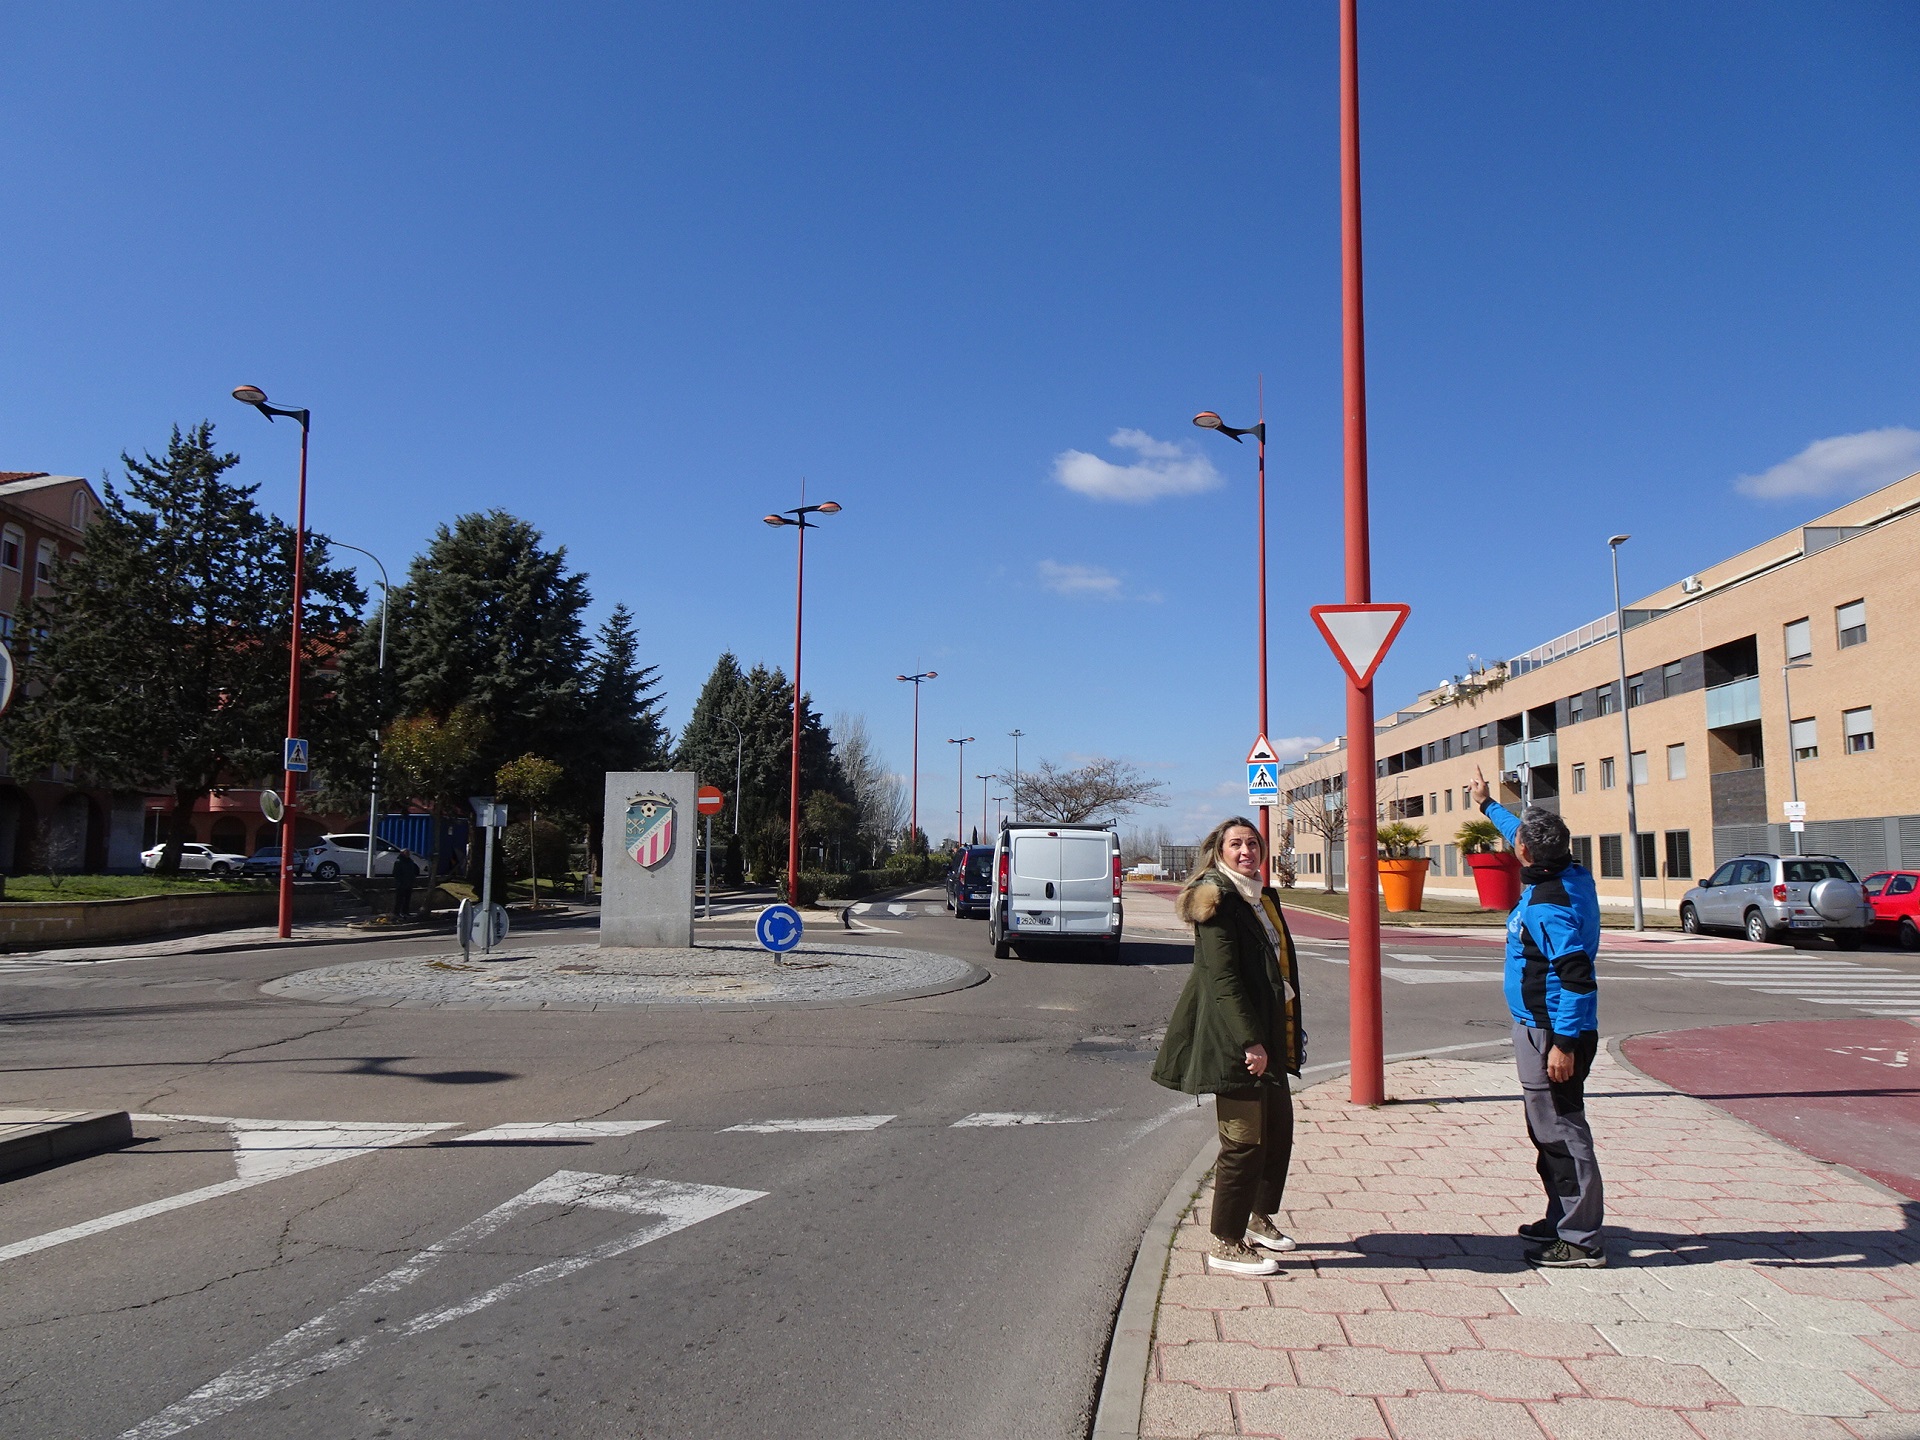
x=650, y=829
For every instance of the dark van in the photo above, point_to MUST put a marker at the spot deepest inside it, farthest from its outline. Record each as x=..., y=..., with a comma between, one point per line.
x=970, y=881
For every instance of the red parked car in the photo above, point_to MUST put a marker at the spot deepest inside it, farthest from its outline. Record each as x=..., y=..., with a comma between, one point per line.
x=1896, y=905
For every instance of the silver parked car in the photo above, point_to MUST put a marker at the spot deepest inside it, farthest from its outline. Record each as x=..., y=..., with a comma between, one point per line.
x=335, y=855
x=1053, y=883
x=1770, y=896
x=194, y=857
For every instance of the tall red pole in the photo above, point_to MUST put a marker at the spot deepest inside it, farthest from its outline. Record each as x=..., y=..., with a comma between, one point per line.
x=290, y=777
x=1266, y=811
x=1364, y=1047
x=793, y=801
x=913, y=825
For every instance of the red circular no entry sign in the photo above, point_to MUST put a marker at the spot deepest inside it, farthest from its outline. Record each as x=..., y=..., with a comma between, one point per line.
x=711, y=800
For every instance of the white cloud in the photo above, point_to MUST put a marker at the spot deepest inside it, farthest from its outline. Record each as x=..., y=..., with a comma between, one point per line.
x=1081, y=581
x=1292, y=747
x=1841, y=464
x=1162, y=469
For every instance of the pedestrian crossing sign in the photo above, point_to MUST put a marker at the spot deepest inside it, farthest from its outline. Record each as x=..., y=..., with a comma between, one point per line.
x=1263, y=774
x=296, y=755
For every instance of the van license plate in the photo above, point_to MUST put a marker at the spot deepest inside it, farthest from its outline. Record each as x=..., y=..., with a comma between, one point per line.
x=1034, y=919
x=1799, y=924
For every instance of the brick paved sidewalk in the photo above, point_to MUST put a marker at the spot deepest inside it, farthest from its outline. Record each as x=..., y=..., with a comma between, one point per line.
x=1753, y=1293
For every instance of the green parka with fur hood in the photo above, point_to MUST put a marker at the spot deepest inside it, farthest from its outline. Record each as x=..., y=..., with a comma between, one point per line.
x=1233, y=997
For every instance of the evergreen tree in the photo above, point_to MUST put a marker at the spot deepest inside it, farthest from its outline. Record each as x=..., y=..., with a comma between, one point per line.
x=158, y=658
x=624, y=731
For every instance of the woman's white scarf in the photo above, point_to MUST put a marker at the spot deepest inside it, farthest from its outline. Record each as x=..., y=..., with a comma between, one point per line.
x=1249, y=889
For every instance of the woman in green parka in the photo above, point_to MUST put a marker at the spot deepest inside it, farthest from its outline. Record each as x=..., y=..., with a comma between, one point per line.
x=1236, y=1035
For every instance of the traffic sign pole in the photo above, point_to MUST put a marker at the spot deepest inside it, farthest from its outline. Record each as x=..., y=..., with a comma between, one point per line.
x=1365, y=1050
x=709, y=802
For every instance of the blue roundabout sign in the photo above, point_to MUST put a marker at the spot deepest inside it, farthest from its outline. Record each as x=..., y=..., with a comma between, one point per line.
x=778, y=928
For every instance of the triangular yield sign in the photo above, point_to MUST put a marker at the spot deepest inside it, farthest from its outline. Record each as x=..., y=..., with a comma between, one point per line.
x=1360, y=635
x=1262, y=753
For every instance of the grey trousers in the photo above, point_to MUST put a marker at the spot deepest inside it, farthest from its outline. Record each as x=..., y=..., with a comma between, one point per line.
x=1557, y=1125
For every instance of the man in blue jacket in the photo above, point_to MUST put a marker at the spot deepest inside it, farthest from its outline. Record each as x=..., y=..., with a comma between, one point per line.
x=1553, y=937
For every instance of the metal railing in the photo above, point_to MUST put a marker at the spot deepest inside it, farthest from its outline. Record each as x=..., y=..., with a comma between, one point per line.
x=1733, y=704
x=1561, y=646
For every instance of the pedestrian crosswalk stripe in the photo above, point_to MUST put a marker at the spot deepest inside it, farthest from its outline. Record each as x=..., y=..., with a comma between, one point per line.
x=1814, y=980
x=535, y=1131
x=814, y=1125
x=993, y=1119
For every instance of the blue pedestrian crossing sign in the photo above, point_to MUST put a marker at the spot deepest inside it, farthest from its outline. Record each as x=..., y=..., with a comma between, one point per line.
x=296, y=755
x=1263, y=774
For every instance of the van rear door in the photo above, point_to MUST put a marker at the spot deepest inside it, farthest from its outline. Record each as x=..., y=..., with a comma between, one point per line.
x=1033, y=889
x=1086, y=883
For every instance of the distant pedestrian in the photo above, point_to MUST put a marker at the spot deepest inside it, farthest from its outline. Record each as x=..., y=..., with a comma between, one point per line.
x=1553, y=937
x=405, y=871
x=1235, y=1034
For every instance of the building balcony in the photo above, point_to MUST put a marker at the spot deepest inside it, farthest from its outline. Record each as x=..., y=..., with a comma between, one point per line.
x=1734, y=704
x=1540, y=750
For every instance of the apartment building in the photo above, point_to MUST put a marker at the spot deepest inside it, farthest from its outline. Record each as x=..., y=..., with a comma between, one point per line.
x=1824, y=613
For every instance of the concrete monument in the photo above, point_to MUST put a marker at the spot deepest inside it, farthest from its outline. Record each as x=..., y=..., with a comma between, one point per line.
x=647, y=865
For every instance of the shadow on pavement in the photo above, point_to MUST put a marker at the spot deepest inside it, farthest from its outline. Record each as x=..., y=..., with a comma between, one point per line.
x=377, y=1065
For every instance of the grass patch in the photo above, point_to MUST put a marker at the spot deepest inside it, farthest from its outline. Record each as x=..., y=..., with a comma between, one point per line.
x=30, y=888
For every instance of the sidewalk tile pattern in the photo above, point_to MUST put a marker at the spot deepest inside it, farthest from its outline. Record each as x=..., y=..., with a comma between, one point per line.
x=1753, y=1293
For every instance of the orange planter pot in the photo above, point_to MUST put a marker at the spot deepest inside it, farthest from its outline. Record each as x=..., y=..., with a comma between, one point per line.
x=1403, y=883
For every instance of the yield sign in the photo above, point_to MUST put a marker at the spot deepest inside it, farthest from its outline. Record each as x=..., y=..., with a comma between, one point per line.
x=1360, y=635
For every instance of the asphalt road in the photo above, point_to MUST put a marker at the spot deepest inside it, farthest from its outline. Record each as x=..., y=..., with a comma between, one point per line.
x=907, y=1278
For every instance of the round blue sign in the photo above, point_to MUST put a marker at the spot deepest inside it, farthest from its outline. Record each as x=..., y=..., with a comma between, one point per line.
x=778, y=928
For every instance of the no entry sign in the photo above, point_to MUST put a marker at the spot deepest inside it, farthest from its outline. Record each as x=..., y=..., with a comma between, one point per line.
x=710, y=800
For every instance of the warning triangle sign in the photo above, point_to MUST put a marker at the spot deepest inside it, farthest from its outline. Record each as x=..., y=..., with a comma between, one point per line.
x=1360, y=635
x=1262, y=753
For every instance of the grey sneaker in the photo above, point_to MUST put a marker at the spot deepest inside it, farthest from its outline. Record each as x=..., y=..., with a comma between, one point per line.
x=1565, y=1255
x=1235, y=1257
x=1263, y=1232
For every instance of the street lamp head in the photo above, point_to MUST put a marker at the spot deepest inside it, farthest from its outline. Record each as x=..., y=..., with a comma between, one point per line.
x=831, y=507
x=1616, y=541
x=1207, y=420
x=250, y=395
x=933, y=674
x=776, y=520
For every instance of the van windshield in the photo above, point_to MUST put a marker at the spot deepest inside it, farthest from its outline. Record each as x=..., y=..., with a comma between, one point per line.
x=1810, y=872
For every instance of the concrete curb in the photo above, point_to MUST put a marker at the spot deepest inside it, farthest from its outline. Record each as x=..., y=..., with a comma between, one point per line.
x=33, y=1139
x=1123, y=1384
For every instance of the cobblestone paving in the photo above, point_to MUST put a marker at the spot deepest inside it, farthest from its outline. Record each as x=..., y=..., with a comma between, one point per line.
x=1753, y=1293
x=590, y=977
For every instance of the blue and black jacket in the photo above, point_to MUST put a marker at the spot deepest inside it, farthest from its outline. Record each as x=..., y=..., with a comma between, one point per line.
x=1553, y=936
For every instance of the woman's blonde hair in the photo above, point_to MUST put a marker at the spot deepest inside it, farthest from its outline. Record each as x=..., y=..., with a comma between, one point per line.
x=1210, y=855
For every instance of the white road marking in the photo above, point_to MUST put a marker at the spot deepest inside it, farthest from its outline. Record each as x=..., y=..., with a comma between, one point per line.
x=1872, y=989
x=263, y=1150
x=317, y=1346
x=815, y=1125
x=870, y=929
x=558, y=1130
x=1439, y=977
x=993, y=1119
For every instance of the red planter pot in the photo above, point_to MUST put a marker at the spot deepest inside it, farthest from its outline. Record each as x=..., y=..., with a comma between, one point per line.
x=1497, y=878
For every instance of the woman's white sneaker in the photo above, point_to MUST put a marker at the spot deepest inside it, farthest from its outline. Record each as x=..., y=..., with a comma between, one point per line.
x=1235, y=1257
x=1263, y=1232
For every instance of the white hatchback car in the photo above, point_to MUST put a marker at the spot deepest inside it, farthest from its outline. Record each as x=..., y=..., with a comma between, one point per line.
x=332, y=856
x=201, y=859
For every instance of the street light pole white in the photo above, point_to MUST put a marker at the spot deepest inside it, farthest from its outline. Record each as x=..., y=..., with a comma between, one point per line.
x=1793, y=758
x=373, y=795
x=960, y=835
x=739, y=750
x=1614, y=543
x=1016, y=734
x=983, y=779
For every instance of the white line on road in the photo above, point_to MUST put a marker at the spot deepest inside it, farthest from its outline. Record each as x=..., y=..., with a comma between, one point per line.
x=535, y=1130
x=993, y=1119
x=317, y=1346
x=817, y=1125
x=1439, y=977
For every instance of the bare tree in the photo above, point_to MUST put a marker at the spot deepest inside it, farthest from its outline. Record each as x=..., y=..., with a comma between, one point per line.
x=1322, y=813
x=1100, y=789
x=1144, y=842
x=879, y=796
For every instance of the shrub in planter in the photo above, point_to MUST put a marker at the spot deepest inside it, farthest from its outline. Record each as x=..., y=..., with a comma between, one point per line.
x=1496, y=875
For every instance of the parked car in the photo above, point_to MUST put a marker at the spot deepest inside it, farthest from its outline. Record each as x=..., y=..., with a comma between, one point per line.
x=266, y=861
x=970, y=880
x=1055, y=883
x=1895, y=897
x=336, y=855
x=201, y=859
x=1767, y=896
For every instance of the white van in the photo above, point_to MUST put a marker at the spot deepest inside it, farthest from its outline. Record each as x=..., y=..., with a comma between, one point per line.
x=1055, y=883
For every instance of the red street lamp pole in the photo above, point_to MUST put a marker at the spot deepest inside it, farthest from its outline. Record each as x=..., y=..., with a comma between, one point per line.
x=1207, y=420
x=1364, y=1045
x=960, y=835
x=913, y=825
x=253, y=395
x=798, y=519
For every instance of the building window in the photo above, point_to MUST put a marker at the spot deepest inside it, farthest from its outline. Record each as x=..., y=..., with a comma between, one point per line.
x=1606, y=773
x=1806, y=740
x=1449, y=797
x=1453, y=859
x=1580, y=779
x=1649, y=851
x=1582, y=847
x=1800, y=640
x=79, y=509
x=43, y=557
x=1609, y=699
x=10, y=542
x=1676, y=762
x=1679, y=855
x=1857, y=727
x=1636, y=691
x=1670, y=678
x=1853, y=623
x=1576, y=709
x=1612, y=858
x=1639, y=767
x=1466, y=797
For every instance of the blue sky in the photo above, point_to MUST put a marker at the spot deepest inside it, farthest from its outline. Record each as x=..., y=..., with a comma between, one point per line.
x=632, y=272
